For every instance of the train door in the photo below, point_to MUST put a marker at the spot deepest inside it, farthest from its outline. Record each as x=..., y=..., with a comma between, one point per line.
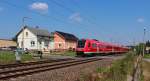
x=94, y=48
x=102, y=48
x=97, y=48
x=112, y=49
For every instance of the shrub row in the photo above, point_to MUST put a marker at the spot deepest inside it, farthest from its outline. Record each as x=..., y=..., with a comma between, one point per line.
x=118, y=71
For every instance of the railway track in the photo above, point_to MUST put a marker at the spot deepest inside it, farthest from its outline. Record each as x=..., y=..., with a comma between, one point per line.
x=22, y=70
x=32, y=63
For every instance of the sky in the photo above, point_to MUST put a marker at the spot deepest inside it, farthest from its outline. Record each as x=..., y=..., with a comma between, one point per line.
x=116, y=21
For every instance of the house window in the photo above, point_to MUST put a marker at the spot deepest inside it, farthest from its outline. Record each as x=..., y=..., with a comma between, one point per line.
x=21, y=43
x=40, y=42
x=59, y=45
x=46, y=44
x=32, y=43
x=26, y=34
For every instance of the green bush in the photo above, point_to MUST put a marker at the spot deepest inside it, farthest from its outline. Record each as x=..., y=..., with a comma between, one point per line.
x=119, y=69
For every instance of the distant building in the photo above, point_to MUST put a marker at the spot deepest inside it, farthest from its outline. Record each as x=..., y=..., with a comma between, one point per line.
x=7, y=44
x=33, y=38
x=147, y=48
x=64, y=40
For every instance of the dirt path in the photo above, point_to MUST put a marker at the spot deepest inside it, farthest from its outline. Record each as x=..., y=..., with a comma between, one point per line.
x=146, y=69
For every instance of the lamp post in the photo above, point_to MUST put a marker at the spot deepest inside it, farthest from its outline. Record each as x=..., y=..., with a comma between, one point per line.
x=144, y=41
x=23, y=25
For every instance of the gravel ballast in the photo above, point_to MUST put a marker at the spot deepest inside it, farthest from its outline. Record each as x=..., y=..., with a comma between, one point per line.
x=72, y=73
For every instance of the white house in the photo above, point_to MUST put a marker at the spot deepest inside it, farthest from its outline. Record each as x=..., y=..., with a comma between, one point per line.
x=33, y=38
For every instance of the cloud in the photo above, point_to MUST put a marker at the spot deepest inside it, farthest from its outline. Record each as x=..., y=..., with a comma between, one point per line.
x=76, y=17
x=39, y=6
x=140, y=20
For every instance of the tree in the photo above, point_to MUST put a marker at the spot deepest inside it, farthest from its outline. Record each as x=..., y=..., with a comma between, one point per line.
x=148, y=43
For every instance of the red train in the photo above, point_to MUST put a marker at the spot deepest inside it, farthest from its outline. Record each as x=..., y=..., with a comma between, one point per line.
x=92, y=47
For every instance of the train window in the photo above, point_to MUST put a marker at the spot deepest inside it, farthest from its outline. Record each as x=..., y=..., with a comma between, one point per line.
x=94, y=45
x=81, y=43
x=89, y=44
x=102, y=46
x=109, y=47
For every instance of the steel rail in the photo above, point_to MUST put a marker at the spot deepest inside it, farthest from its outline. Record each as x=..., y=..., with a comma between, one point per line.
x=25, y=71
x=32, y=63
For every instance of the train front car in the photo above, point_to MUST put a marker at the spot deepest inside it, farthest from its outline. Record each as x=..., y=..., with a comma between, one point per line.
x=86, y=47
x=80, y=47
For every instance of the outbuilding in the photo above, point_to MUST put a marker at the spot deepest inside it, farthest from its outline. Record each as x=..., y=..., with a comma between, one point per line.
x=64, y=41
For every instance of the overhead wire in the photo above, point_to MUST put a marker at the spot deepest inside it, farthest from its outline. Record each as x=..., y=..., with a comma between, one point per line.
x=67, y=9
x=37, y=13
x=72, y=11
x=34, y=12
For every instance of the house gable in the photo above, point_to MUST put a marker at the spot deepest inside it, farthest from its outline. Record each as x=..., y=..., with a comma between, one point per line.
x=27, y=34
x=67, y=36
x=58, y=38
x=36, y=31
x=26, y=39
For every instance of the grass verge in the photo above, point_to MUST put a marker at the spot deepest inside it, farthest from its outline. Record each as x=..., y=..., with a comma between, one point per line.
x=69, y=53
x=7, y=57
x=118, y=71
x=147, y=56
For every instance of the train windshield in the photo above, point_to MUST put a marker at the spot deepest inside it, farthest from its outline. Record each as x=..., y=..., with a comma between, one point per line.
x=81, y=43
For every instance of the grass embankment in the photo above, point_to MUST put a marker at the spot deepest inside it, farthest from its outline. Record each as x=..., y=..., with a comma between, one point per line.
x=118, y=71
x=9, y=57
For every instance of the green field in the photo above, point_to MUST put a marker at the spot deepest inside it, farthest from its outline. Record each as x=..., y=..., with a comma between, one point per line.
x=9, y=57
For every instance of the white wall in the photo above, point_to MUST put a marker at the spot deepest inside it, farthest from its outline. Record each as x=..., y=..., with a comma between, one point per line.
x=32, y=37
x=27, y=39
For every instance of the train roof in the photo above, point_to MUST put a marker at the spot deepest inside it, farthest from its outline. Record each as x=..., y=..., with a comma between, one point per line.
x=105, y=43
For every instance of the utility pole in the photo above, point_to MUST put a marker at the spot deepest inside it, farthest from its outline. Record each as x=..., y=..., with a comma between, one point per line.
x=23, y=27
x=144, y=41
